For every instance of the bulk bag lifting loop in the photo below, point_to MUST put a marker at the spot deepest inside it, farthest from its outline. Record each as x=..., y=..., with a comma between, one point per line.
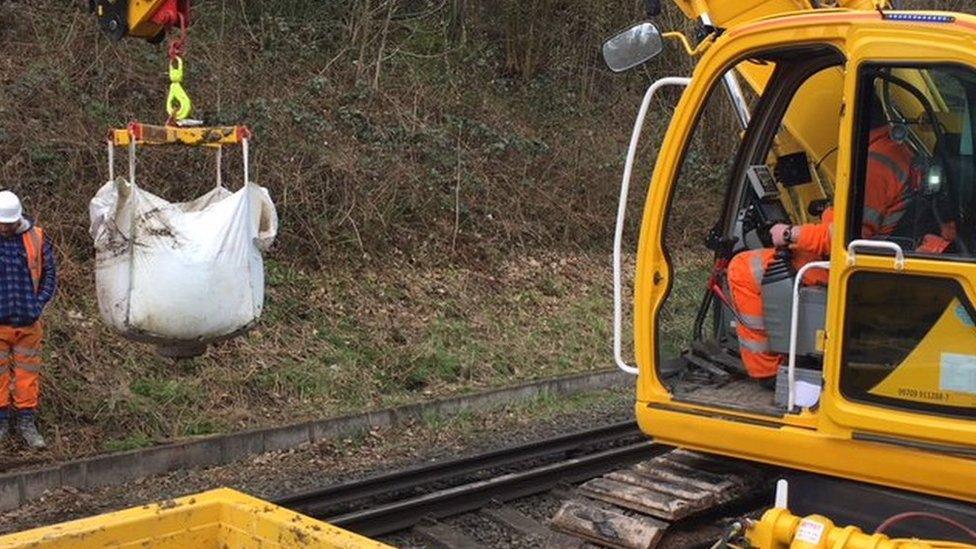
x=180, y=275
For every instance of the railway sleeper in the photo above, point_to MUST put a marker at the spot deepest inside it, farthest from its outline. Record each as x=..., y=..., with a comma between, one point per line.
x=641, y=506
x=445, y=536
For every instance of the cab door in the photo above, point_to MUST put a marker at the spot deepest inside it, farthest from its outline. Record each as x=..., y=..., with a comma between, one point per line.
x=901, y=351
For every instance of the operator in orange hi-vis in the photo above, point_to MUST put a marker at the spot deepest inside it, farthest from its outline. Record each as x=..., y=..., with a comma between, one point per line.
x=28, y=280
x=890, y=184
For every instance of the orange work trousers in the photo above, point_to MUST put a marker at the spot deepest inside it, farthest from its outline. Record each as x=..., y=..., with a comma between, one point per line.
x=745, y=273
x=20, y=365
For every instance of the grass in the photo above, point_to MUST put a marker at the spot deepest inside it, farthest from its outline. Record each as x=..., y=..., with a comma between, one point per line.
x=468, y=426
x=334, y=345
x=677, y=317
x=132, y=442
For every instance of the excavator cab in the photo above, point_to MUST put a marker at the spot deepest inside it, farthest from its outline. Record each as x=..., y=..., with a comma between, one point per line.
x=876, y=332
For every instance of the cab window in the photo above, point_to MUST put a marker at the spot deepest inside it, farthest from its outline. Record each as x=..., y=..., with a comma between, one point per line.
x=910, y=343
x=914, y=160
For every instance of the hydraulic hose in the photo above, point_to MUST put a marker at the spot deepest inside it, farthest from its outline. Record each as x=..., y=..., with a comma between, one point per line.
x=891, y=521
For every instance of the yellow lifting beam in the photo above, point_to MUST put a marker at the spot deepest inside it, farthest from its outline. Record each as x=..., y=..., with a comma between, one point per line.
x=193, y=136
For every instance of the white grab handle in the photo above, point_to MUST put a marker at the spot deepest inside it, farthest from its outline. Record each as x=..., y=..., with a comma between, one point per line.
x=132, y=159
x=246, y=153
x=794, y=327
x=622, y=212
x=111, y=160
x=877, y=245
x=782, y=494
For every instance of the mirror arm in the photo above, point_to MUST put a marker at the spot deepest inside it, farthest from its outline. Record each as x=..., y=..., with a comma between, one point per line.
x=694, y=52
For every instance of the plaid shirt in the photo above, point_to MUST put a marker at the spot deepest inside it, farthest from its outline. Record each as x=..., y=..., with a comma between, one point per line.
x=19, y=304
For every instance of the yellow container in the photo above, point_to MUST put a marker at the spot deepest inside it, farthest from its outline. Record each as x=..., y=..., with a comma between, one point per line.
x=220, y=518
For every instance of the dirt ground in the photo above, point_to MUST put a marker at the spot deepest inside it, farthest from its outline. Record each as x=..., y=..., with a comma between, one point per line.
x=276, y=474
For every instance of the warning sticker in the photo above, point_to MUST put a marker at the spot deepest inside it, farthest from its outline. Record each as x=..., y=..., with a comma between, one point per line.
x=958, y=373
x=809, y=532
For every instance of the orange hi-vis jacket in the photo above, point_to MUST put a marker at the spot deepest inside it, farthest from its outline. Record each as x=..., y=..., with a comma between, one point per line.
x=890, y=184
x=891, y=181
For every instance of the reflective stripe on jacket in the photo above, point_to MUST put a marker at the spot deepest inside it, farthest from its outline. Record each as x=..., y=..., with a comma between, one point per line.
x=887, y=196
x=34, y=245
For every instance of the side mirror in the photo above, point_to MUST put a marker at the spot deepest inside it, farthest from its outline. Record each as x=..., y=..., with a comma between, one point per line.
x=632, y=47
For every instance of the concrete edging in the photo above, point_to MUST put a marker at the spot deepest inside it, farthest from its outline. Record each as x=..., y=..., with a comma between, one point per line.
x=19, y=487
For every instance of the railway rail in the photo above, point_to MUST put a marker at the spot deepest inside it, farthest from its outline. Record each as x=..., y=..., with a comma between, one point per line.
x=397, y=501
x=586, y=469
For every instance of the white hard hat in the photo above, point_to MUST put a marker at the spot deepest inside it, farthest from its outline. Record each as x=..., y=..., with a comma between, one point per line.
x=10, y=209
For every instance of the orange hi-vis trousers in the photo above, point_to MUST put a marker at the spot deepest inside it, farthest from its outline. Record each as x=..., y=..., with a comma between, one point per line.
x=20, y=365
x=746, y=272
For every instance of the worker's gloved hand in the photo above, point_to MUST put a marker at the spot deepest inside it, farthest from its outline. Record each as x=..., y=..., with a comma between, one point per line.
x=778, y=232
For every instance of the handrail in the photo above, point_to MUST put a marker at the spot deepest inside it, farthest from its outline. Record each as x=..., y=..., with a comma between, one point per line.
x=876, y=244
x=622, y=212
x=794, y=328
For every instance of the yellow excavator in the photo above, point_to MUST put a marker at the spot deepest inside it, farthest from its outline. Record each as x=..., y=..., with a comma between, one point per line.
x=870, y=415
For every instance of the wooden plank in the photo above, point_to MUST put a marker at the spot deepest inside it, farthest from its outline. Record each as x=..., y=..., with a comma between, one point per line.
x=608, y=528
x=686, y=475
x=642, y=500
x=679, y=470
x=690, y=472
x=445, y=536
x=675, y=488
x=517, y=521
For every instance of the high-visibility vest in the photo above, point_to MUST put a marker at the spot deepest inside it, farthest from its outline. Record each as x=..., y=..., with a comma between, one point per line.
x=34, y=244
x=889, y=193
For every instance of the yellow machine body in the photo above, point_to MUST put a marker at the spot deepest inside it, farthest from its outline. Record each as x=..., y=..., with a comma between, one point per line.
x=887, y=445
x=140, y=18
x=146, y=19
x=218, y=518
x=780, y=529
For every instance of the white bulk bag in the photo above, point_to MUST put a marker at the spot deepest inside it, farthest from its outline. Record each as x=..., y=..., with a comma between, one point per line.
x=180, y=275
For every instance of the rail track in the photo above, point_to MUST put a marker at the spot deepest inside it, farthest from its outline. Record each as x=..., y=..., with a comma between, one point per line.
x=398, y=501
x=610, y=476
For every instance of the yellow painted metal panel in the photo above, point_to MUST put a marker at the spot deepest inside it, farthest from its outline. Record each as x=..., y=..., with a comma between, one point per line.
x=873, y=43
x=725, y=13
x=886, y=464
x=220, y=518
x=731, y=13
x=140, y=18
